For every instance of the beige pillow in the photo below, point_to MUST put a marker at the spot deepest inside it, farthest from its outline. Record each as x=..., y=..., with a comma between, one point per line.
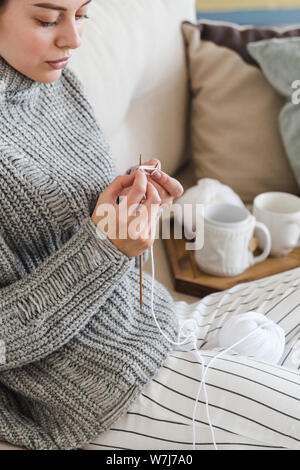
x=234, y=119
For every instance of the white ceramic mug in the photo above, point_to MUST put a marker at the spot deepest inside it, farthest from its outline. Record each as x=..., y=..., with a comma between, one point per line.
x=228, y=230
x=280, y=212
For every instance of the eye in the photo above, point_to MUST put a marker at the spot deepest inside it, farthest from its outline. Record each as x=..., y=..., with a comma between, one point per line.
x=81, y=17
x=46, y=24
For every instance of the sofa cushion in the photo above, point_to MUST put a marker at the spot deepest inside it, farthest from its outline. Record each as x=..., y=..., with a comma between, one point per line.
x=234, y=126
x=280, y=61
x=132, y=63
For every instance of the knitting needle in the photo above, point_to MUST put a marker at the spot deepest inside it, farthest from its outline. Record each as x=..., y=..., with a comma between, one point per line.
x=141, y=292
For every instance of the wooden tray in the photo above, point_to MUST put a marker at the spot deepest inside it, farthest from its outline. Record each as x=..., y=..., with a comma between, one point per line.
x=190, y=280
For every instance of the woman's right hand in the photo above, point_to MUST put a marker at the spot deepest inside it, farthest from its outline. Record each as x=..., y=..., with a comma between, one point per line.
x=134, y=229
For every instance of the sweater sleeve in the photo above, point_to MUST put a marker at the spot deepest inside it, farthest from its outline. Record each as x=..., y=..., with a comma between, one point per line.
x=44, y=310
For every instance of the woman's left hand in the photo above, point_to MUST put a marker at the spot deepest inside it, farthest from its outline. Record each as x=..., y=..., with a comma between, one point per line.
x=168, y=188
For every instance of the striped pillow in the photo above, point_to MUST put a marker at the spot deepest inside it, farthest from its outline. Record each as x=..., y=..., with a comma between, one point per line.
x=256, y=12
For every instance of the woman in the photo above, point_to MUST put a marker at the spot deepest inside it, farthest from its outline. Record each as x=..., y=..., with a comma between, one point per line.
x=79, y=355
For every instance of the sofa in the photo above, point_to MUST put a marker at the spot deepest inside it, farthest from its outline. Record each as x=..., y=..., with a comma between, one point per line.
x=132, y=64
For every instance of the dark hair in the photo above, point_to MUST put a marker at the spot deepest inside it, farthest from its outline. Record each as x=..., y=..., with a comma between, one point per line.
x=2, y=3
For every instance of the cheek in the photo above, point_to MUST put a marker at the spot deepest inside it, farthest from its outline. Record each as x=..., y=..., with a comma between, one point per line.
x=37, y=44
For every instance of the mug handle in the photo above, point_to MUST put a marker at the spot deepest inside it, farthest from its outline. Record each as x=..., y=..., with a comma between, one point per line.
x=267, y=235
x=293, y=233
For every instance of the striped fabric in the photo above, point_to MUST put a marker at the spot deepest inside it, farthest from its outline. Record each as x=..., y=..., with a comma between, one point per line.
x=253, y=404
x=255, y=12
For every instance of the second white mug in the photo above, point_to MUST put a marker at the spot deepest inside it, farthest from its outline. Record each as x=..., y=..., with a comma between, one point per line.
x=280, y=212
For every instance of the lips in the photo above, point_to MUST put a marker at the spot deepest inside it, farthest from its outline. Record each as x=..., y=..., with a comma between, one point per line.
x=58, y=64
x=57, y=61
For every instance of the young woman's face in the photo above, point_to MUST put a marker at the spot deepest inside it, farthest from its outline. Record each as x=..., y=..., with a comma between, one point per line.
x=33, y=33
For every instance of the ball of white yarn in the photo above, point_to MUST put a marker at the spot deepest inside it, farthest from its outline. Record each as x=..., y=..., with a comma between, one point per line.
x=267, y=343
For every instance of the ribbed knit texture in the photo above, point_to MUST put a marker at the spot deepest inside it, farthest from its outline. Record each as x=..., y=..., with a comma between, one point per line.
x=78, y=348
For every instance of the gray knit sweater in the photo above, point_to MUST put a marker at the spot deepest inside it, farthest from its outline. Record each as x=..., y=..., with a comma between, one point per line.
x=78, y=350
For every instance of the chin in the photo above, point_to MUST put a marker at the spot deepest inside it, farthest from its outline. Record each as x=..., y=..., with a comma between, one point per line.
x=44, y=77
x=50, y=77
x=53, y=79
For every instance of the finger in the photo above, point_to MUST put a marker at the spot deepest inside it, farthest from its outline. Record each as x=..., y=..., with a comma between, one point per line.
x=163, y=194
x=146, y=210
x=142, y=217
x=125, y=192
x=152, y=203
x=168, y=203
x=148, y=222
x=171, y=185
x=110, y=194
x=133, y=169
x=136, y=193
x=166, y=199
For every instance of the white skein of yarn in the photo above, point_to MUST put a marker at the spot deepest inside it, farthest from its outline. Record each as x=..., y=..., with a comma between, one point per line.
x=267, y=344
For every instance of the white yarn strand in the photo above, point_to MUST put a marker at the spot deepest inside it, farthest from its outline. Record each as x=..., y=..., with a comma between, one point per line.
x=148, y=169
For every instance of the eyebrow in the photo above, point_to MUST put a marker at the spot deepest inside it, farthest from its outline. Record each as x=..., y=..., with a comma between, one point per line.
x=51, y=6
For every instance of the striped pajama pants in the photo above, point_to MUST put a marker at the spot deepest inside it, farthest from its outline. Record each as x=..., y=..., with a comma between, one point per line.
x=253, y=404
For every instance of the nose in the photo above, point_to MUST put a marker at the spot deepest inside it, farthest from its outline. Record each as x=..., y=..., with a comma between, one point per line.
x=69, y=36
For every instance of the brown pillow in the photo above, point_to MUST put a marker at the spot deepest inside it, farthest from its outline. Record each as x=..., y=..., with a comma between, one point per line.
x=234, y=118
